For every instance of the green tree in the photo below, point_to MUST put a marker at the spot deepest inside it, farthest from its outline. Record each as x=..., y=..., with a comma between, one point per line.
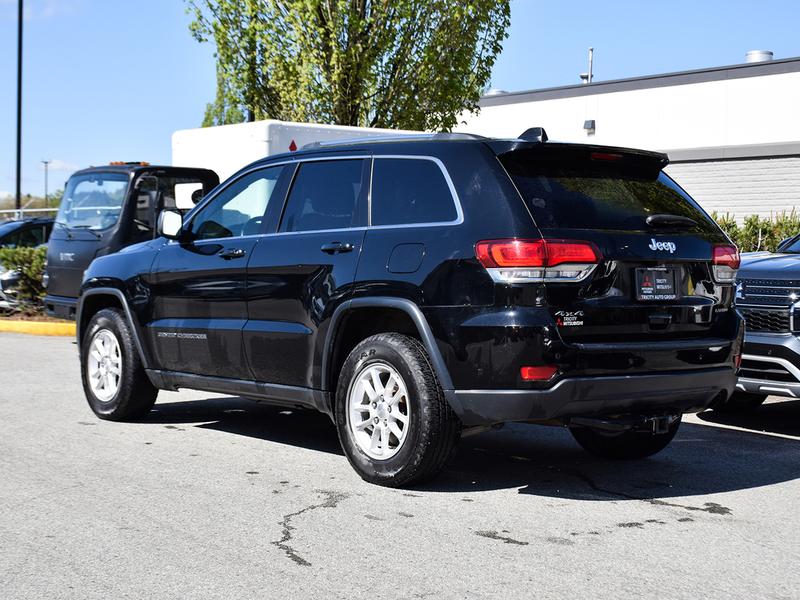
x=412, y=64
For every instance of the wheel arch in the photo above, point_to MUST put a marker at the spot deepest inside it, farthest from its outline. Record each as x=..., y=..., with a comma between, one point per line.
x=413, y=322
x=95, y=299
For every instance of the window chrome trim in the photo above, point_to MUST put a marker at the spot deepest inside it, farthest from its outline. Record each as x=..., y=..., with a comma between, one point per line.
x=299, y=161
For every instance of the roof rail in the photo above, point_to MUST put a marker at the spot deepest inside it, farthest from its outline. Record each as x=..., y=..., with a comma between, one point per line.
x=400, y=137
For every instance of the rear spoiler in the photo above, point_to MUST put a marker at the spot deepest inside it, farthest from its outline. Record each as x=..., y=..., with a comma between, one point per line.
x=586, y=151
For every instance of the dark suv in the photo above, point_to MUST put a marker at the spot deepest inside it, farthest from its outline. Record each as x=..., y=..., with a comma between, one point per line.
x=415, y=288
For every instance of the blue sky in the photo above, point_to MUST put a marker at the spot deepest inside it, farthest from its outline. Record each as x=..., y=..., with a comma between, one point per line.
x=112, y=79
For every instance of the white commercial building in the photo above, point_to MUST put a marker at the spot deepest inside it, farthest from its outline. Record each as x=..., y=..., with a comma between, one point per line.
x=732, y=133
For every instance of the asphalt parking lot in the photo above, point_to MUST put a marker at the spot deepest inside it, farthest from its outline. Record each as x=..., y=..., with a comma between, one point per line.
x=219, y=497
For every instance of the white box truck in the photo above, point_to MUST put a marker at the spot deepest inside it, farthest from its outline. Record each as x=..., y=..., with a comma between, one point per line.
x=227, y=148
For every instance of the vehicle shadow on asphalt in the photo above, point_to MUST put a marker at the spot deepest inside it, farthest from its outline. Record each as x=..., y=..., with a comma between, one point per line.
x=546, y=461
x=539, y=460
x=776, y=417
x=239, y=416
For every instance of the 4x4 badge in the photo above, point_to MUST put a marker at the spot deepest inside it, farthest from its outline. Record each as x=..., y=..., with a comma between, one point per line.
x=654, y=245
x=569, y=318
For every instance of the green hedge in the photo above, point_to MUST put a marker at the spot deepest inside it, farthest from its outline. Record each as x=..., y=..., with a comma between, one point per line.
x=30, y=263
x=759, y=233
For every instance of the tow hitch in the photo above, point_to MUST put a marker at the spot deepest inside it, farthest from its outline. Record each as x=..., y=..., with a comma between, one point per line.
x=654, y=424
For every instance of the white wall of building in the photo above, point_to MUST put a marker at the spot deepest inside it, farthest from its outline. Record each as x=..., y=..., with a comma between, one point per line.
x=765, y=186
x=753, y=110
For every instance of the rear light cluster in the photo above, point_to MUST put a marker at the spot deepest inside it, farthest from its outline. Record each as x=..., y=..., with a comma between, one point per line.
x=519, y=261
x=724, y=263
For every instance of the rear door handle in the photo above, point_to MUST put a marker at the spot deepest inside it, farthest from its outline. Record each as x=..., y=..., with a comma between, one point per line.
x=337, y=248
x=230, y=253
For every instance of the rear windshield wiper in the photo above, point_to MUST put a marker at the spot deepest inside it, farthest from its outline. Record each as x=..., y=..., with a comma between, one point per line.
x=670, y=221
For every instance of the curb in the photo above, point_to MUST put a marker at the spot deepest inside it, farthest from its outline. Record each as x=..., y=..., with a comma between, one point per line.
x=37, y=327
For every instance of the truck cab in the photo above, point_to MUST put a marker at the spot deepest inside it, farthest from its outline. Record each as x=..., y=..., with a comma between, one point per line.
x=105, y=209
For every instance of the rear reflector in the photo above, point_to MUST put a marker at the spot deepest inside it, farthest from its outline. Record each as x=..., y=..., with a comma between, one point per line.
x=514, y=260
x=725, y=262
x=540, y=373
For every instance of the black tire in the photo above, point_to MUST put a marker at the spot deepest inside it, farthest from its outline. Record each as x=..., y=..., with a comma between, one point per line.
x=433, y=427
x=741, y=402
x=135, y=395
x=630, y=445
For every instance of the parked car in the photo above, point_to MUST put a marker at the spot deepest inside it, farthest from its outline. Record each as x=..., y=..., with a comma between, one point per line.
x=15, y=234
x=416, y=288
x=768, y=296
x=25, y=232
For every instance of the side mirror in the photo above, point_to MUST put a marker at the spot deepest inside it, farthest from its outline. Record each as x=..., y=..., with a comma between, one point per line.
x=170, y=224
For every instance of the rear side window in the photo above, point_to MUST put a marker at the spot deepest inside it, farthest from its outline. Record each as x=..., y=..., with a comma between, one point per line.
x=410, y=191
x=325, y=195
x=566, y=193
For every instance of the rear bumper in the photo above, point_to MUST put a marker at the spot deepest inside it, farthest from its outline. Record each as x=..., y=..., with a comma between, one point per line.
x=670, y=392
x=62, y=307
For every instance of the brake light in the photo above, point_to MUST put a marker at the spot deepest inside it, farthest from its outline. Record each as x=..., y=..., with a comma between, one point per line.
x=725, y=262
x=605, y=156
x=513, y=260
x=511, y=253
x=540, y=373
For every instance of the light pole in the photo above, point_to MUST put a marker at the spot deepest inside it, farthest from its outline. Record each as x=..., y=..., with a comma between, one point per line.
x=45, y=163
x=19, y=103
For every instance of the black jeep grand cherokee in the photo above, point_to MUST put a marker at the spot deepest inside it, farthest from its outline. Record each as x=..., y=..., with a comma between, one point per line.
x=415, y=288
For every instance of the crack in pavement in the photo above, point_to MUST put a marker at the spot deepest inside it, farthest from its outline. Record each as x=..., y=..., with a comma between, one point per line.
x=494, y=535
x=332, y=499
x=709, y=507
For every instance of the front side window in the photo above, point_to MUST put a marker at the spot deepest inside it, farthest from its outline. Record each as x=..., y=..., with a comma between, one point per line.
x=325, y=195
x=239, y=209
x=93, y=201
x=406, y=191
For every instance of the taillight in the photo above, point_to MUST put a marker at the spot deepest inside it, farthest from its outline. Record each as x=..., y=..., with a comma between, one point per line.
x=724, y=262
x=516, y=261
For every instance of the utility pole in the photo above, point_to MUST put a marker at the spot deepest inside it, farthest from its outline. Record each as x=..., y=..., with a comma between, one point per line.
x=19, y=104
x=45, y=163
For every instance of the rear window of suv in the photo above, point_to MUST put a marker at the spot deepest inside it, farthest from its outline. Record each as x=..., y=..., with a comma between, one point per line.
x=410, y=190
x=575, y=192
